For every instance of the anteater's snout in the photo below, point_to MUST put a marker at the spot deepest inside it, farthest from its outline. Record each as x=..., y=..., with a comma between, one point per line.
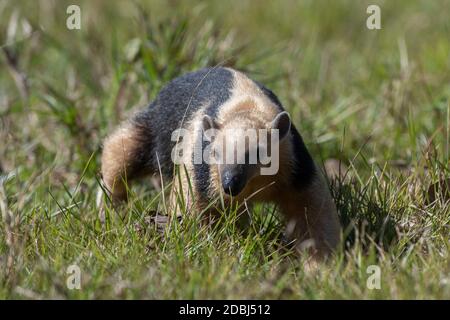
x=233, y=181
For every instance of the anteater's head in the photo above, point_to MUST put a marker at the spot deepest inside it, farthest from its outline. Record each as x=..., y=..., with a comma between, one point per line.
x=244, y=146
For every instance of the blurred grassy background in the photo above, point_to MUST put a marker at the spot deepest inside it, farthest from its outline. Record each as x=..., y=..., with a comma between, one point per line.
x=377, y=100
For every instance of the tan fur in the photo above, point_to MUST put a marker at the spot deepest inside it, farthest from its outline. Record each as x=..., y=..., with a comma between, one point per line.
x=311, y=218
x=245, y=90
x=119, y=150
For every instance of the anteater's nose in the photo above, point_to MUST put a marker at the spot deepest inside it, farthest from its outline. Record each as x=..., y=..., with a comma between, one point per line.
x=232, y=183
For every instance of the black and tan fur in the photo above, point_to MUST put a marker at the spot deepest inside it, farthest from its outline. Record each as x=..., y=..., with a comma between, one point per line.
x=224, y=98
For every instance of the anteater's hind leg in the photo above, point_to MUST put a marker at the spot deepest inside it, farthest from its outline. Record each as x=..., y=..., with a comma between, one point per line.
x=126, y=156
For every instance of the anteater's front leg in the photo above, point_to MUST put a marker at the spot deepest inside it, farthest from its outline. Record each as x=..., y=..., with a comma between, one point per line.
x=125, y=156
x=185, y=198
x=311, y=218
x=181, y=192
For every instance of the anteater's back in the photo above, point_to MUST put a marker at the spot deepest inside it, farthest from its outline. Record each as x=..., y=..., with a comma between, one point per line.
x=175, y=105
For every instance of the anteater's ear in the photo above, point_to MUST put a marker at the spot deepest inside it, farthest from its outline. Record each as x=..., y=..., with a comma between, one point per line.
x=282, y=122
x=209, y=123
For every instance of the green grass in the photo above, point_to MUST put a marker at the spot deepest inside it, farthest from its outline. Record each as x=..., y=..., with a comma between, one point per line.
x=379, y=101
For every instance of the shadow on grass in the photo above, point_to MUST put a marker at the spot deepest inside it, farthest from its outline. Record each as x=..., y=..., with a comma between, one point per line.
x=363, y=219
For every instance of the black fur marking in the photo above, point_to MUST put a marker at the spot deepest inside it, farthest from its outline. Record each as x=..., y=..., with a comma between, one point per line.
x=202, y=173
x=141, y=156
x=304, y=170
